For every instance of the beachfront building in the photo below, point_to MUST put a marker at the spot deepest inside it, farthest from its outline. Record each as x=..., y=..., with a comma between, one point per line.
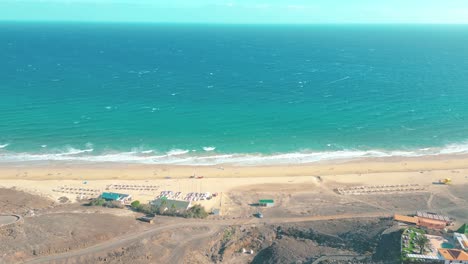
x=433, y=217
x=446, y=256
x=266, y=202
x=432, y=223
x=412, y=220
x=427, y=220
x=430, y=254
x=421, y=222
x=119, y=197
x=440, y=249
x=453, y=256
x=167, y=204
x=462, y=240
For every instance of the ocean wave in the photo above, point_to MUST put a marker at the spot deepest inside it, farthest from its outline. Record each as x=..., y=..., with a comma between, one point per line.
x=209, y=148
x=4, y=145
x=176, y=152
x=73, y=151
x=186, y=157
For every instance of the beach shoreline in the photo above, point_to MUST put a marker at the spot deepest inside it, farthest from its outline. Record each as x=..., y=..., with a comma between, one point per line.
x=54, y=170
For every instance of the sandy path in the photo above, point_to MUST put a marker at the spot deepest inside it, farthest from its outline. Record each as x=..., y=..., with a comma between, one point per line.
x=429, y=201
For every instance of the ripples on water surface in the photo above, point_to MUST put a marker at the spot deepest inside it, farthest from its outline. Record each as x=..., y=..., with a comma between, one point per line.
x=241, y=94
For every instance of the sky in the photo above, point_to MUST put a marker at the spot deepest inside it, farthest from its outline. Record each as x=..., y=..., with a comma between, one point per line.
x=239, y=11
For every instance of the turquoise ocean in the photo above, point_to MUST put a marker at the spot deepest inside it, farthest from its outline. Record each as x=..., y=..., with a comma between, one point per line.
x=239, y=94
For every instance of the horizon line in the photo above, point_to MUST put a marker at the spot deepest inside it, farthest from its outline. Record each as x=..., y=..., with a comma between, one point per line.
x=223, y=23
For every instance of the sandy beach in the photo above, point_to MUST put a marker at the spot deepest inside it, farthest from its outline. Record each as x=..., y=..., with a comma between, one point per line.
x=44, y=179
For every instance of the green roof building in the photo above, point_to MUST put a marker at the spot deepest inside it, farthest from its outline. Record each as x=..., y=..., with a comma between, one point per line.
x=266, y=202
x=463, y=229
x=171, y=204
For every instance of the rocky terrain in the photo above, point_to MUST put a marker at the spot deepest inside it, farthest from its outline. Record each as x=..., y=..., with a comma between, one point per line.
x=303, y=242
x=22, y=203
x=349, y=241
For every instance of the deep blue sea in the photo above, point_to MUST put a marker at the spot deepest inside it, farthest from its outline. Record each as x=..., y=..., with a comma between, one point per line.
x=211, y=94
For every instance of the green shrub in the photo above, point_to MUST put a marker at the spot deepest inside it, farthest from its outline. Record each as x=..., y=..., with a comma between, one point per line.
x=113, y=204
x=135, y=205
x=228, y=232
x=102, y=202
x=146, y=209
x=97, y=202
x=196, y=211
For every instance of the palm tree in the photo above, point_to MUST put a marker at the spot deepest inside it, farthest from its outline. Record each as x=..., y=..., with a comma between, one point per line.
x=422, y=241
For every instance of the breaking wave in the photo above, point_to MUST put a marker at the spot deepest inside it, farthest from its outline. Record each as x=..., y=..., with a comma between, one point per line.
x=186, y=157
x=209, y=148
x=177, y=152
x=73, y=151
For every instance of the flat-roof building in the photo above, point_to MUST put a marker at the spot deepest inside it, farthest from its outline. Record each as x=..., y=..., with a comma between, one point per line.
x=406, y=219
x=434, y=216
x=266, y=202
x=430, y=221
x=452, y=256
x=171, y=204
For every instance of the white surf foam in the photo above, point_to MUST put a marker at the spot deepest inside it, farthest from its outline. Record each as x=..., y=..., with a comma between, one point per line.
x=4, y=145
x=185, y=157
x=73, y=151
x=176, y=152
x=455, y=148
x=209, y=148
